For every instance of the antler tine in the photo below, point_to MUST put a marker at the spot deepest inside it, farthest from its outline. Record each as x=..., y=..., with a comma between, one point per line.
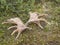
x=11, y=27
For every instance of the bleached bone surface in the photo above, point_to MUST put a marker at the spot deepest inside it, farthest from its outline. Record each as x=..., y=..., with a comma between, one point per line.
x=34, y=18
x=20, y=25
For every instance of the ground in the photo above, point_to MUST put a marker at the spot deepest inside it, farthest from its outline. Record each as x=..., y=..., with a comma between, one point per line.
x=50, y=35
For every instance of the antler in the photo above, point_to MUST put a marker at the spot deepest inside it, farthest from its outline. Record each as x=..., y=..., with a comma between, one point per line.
x=34, y=18
x=20, y=26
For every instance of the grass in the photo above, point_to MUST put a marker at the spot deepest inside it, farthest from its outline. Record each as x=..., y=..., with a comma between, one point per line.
x=50, y=35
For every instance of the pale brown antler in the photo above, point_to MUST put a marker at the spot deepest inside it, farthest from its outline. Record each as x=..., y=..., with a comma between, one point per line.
x=20, y=26
x=34, y=18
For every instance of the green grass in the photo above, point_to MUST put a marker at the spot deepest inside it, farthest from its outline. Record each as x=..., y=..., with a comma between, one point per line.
x=50, y=35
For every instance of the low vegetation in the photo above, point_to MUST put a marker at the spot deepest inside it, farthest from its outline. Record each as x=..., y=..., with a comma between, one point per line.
x=50, y=35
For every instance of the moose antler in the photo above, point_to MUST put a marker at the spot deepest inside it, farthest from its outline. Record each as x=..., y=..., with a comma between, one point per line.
x=34, y=18
x=20, y=26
